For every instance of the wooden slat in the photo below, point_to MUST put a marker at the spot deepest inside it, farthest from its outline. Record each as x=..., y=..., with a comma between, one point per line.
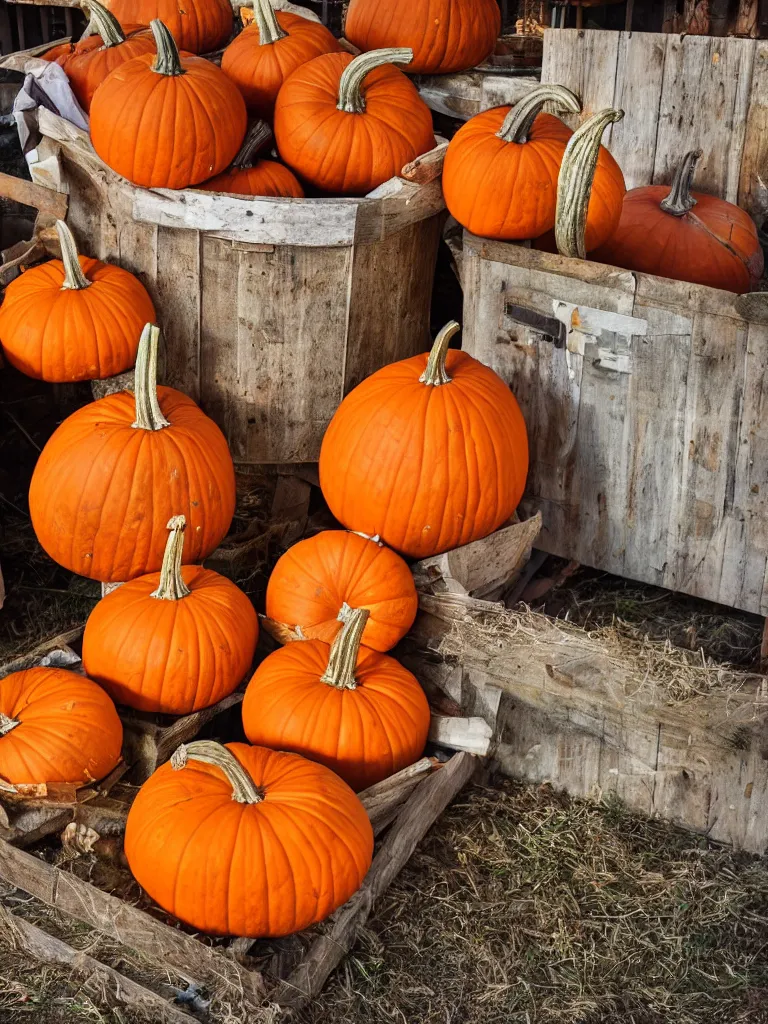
x=753, y=187
x=177, y=297
x=54, y=204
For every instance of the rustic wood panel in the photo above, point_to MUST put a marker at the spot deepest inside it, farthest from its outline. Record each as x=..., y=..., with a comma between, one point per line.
x=176, y=294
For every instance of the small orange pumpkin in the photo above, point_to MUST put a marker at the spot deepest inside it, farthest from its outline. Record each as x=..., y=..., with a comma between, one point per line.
x=172, y=642
x=73, y=319
x=260, y=59
x=346, y=125
x=87, y=66
x=241, y=840
x=56, y=726
x=68, y=48
x=250, y=175
x=358, y=712
x=169, y=120
x=198, y=26
x=688, y=236
x=334, y=570
x=115, y=471
x=429, y=453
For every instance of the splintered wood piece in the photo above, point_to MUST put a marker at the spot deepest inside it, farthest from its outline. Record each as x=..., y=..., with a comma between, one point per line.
x=130, y=926
x=44, y=200
x=58, y=646
x=22, y=936
x=471, y=734
x=427, y=167
x=382, y=802
x=423, y=808
x=113, y=385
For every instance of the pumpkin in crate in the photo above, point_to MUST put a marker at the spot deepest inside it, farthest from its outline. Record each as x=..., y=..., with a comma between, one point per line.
x=260, y=59
x=56, y=726
x=688, y=236
x=198, y=26
x=115, y=471
x=251, y=175
x=87, y=66
x=429, y=453
x=172, y=642
x=346, y=125
x=334, y=570
x=73, y=319
x=358, y=712
x=68, y=48
x=445, y=35
x=167, y=120
x=239, y=840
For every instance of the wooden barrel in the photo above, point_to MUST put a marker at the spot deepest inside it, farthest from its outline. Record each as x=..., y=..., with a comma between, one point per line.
x=271, y=309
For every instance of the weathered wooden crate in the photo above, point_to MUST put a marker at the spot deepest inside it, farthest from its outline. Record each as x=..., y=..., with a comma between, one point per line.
x=271, y=309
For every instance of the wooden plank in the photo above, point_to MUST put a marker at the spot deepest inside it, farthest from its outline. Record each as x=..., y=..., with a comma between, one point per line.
x=426, y=168
x=470, y=734
x=753, y=186
x=586, y=63
x=383, y=801
x=176, y=294
x=639, y=83
x=50, y=203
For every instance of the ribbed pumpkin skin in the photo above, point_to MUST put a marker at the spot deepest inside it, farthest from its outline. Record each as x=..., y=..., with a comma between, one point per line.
x=172, y=130
x=426, y=468
x=87, y=68
x=62, y=335
x=68, y=732
x=102, y=492
x=315, y=577
x=265, y=178
x=364, y=735
x=172, y=657
x=259, y=71
x=265, y=869
x=350, y=154
x=67, y=49
x=445, y=35
x=714, y=244
x=198, y=26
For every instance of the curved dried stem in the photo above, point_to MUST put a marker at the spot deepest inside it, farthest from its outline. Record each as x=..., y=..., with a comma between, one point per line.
x=519, y=121
x=74, y=278
x=244, y=789
x=680, y=201
x=342, y=660
x=436, y=374
x=7, y=724
x=265, y=19
x=350, y=86
x=167, y=61
x=149, y=416
x=105, y=24
x=257, y=138
x=172, y=586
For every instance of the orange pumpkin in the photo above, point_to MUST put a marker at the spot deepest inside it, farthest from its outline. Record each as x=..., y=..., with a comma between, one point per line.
x=251, y=176
x=334, y=570
x=688, y=236
x=240, y=840
x=73, y=319
x=428, y=454
x=115, y=471
x=174, y=641
x=198, y=26
x=501, y=168
x=348, y=124
x=358, y=712
x=167, y=121
x=68, y=48
x=260, y=59
x=56, y=726
x=87, y=66
x=445, y=35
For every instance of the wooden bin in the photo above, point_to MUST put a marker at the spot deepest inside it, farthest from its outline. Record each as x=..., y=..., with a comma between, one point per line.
x=271, y=309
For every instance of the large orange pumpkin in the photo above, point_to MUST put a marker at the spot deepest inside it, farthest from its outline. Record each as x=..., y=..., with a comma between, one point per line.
x=87, y=66
x=355, y=710
x=261, y=58
x=56, y=726
x=346, y=125
x=445, y=35
x=688, y=236
x=428, y=454
x=68, y=48
x=240, y=840
x=115, y=471
x=334, y=570
x=500, y=171
x=174, y=641
x=250, y=175
x=167, y=121
x=198, y=26
x=74, y=318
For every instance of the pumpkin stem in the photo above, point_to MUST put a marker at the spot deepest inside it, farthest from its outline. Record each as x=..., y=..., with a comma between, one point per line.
x=351, y=98
x=148, y=413
x=342, y=660
x=574, y=184
x=105, y=24
x=7, y=724
x=256, y=139
x=518, y=122
x=244, y=789
x=74, y=278
x=265, y=18
x=680, y=201
x=172, y=586
x=436, y=374
x=167, y=61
